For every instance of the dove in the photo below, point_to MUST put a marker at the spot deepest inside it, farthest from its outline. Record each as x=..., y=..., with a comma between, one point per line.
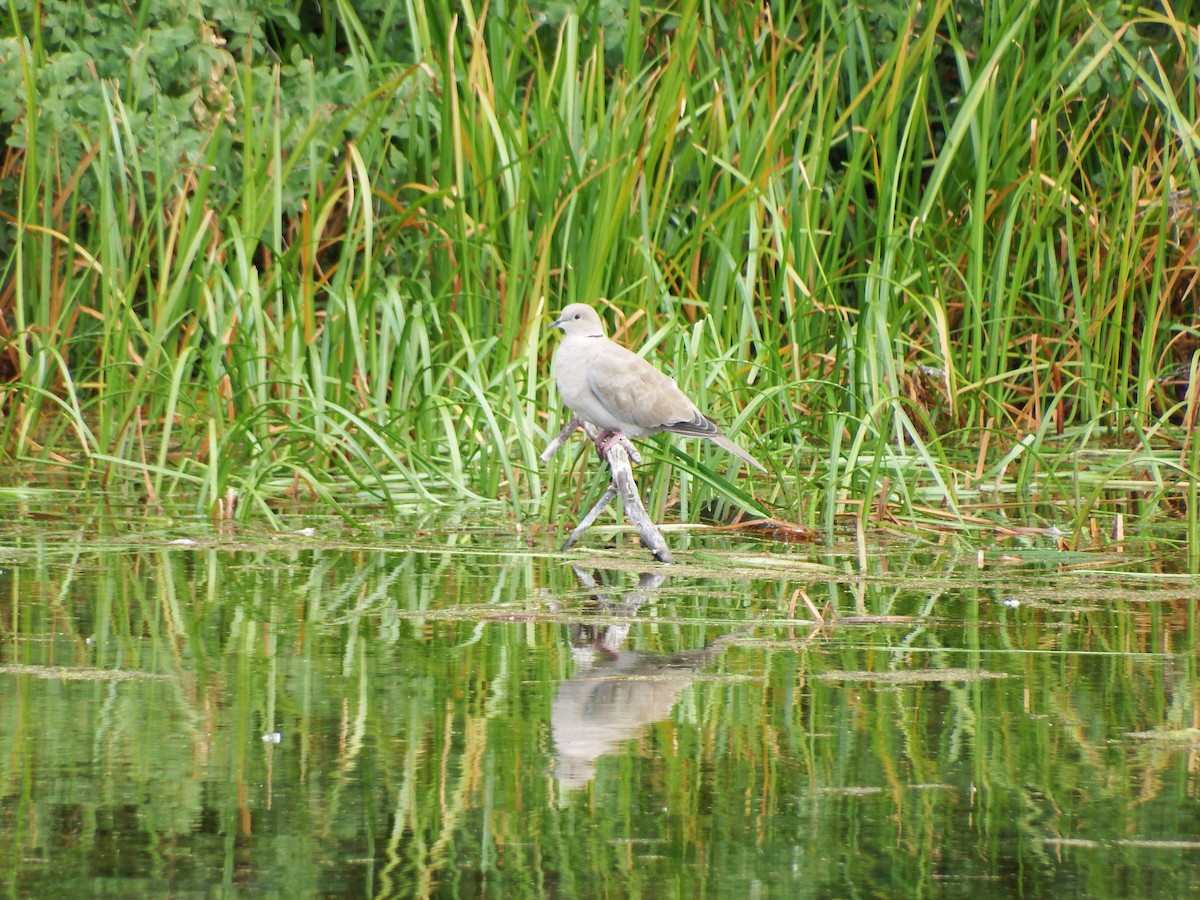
x=620, y=393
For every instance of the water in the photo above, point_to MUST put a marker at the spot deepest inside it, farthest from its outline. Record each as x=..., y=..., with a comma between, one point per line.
x=448, y=711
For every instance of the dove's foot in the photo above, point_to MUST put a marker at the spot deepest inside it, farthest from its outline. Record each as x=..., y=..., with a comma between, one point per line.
x=606, y=439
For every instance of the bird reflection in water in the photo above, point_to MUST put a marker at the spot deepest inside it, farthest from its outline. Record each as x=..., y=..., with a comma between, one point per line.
x=615, y=692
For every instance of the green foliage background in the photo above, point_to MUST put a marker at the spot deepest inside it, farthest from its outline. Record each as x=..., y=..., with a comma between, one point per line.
x=901, y=250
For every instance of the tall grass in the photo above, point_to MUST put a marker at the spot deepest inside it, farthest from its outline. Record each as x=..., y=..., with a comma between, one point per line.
x=885, y=245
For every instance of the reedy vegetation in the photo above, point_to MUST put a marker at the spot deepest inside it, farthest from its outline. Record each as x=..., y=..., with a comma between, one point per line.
x=900, y=252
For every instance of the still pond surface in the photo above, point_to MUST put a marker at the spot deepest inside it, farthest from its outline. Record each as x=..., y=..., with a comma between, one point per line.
x=455, y=710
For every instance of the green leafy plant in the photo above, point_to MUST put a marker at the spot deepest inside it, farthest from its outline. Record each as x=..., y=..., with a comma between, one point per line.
x=271, y=246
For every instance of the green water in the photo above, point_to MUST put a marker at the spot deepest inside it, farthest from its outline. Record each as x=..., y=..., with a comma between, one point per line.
x=457, y=711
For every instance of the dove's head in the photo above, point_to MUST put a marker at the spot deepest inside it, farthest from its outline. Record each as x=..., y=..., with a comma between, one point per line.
x=579, y=320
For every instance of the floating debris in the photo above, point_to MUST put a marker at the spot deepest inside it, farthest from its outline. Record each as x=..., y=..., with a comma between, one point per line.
x=1178, y=735
x=913, y=676
x=73, y=673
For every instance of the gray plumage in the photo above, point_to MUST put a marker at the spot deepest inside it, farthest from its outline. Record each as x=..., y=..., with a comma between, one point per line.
x=618, y=391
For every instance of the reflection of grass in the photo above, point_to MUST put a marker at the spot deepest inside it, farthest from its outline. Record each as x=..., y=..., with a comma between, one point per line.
x=412, y=690
x=921, y=262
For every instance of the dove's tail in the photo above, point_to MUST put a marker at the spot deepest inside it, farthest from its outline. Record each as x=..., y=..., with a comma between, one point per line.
x=726, y=444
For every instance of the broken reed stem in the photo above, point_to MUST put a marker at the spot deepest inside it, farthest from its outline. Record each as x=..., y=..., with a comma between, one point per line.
x=620, y=456
x=586, y=522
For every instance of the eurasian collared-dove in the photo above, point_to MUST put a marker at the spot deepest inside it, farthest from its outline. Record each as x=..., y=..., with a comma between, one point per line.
x=619, y=392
